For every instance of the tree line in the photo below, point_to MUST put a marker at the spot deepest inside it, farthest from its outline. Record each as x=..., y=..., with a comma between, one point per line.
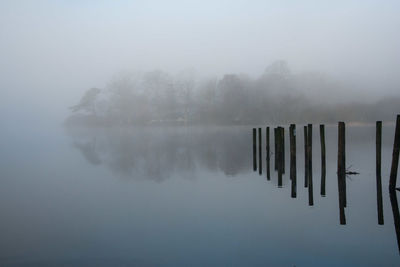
x=277, y=96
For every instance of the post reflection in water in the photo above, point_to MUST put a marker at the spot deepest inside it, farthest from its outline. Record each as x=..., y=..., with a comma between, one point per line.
x=396, y=215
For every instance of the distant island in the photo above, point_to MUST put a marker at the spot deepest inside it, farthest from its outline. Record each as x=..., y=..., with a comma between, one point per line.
x=277, y=96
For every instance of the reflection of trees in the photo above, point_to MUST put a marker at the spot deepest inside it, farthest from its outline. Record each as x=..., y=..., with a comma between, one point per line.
x=159, y=153
x=88, y=150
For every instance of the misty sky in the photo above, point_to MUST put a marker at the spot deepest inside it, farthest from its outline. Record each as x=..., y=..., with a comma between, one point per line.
x=51, y=51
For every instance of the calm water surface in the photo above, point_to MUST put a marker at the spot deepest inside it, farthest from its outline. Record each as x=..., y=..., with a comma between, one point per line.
x=186, y=197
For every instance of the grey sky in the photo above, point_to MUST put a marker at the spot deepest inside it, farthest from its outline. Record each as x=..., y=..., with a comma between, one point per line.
x=53, y=50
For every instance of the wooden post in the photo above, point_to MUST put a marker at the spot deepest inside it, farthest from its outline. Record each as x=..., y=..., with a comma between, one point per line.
x=283, y=148
x=341, y=172
x=276, y=148
x=259, y=151
x=309, y=157
x=341, y=153
x=323, y=159
x=279, y=156
x=395, y=155
x=254, y=149
x=378, y=171
x=344, y=165
x=292, y=133
x=305, y=158
x=268, y=153
x=342, y=162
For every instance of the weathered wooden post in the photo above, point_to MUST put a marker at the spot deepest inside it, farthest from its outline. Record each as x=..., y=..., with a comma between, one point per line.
x=254, y=149
x=279, y=156
x=395, y=156
x=342, y=161
x=323, y=159
x=259, y=151
x=396, y=215
x=305, y=158
x=283, y=148
x=268, y=153
x=292, y=133
x=378, y=171
x=344, y=165
x=341, y=169
x=341, y=172
x=309, y=157
x=276, y=148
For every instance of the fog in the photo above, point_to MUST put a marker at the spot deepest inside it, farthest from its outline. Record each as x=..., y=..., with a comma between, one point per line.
x=171, y=91
x=53, y=51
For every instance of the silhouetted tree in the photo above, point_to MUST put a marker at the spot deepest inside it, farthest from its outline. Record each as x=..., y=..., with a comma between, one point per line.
x=87, y=102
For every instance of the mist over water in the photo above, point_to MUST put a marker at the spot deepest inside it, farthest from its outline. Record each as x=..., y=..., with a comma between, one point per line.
x=53, y=51
x=126, y=132
x=187, y=195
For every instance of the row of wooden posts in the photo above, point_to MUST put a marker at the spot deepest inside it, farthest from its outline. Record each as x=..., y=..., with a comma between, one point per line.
x=279, y=156
x=342, y=172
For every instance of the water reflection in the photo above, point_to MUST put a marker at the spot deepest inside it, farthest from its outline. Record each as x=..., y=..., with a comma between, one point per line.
x=158, y=153
x=396, y=215
x=88, y=150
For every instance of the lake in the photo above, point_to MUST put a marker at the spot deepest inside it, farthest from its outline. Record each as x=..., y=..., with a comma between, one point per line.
x=187, y=196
